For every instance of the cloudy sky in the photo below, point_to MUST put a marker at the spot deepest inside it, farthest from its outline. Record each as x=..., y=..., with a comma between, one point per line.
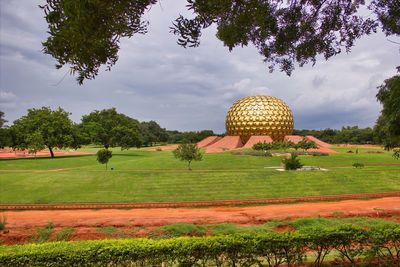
x=187, y=89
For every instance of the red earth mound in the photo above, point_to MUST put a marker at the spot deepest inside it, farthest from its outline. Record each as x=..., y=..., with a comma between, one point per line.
x=208, y=141
x=317, y=141
x=257, y=138
x=138, y=222
x=294, y=138
x=225, y=144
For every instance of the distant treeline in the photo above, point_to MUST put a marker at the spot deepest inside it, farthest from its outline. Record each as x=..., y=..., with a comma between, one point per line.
x=46, y=128
x=347, y=135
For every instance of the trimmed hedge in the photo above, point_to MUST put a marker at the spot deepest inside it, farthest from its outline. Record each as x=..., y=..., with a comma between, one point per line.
x=352, y=243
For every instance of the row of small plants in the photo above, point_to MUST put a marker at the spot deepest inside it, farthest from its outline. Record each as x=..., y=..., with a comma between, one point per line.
x=349, y=243
x=278, y=145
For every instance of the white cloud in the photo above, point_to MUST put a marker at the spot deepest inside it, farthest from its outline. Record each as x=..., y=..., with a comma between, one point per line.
x=7, y=96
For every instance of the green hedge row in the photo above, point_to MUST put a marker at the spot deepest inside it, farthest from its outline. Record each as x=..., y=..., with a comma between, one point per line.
x=352, y=244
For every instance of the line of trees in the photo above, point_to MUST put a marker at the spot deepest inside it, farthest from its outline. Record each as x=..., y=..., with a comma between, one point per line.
x=347, y=135
x=45, y=128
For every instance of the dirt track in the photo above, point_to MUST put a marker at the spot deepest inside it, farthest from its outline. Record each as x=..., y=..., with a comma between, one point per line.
x=10, y=153
x=21, y=225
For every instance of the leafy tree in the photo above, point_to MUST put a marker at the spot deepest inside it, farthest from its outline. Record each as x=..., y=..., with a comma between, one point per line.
x=190, y=137
x=348, y=134
x=110, y=128
x=5, y=139
x=174, y=137
x=389, y=122
x=35, y=142
x=85, y=34
x=188, y=152
x=103, y=156
x=204, y=134
x=92, y=131
x=2, y=120
x=151, y=133
x=4, y=132
x=54, y=126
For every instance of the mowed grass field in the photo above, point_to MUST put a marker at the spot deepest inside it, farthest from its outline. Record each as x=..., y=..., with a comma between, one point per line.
x=140, y=175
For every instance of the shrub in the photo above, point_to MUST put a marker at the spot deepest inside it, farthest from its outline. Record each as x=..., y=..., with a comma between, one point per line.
x=358, y=165
x=305, y=145
x=254, y=153
x=262, y=146
x=292, y=163
x=276, y=145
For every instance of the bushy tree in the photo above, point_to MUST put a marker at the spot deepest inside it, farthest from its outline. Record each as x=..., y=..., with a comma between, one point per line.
x=188, y=152
x=110, y=129
x=5, y=138
x=305, y=145
x=2, y=120
x=262, y=146
x=174, y=137
x=103, y=156
x=151, y=133
x=347, y=134
x=293, y=162
x=389, y=122
x=53, y=126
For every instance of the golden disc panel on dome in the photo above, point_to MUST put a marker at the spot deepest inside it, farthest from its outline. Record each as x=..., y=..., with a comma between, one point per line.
x=259, y=115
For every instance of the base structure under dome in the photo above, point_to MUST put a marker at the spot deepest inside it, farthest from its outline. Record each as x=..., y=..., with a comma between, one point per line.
x=216, y=144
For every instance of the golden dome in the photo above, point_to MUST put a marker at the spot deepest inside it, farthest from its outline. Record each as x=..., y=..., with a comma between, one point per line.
x=259, y=115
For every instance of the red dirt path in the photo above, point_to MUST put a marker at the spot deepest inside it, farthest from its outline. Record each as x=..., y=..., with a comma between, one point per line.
x=137, y=222
x=10, y=153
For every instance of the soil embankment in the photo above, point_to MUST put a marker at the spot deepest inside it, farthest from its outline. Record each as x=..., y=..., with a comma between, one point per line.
x=138, y=222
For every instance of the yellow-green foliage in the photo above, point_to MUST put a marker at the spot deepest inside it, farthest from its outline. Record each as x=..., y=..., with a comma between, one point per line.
x=350, y=241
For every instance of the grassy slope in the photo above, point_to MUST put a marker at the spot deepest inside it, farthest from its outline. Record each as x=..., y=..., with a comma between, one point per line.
x=142, y=176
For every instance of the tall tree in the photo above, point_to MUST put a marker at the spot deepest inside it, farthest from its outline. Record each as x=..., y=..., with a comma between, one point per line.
x=53, y=127
x=2, y=120
x=110, y=128
x=4, y=132
x=389, y=96
x=85, y=34
x=151, y=132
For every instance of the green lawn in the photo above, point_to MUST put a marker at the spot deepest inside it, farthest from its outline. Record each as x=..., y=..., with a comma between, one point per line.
x=143, y=176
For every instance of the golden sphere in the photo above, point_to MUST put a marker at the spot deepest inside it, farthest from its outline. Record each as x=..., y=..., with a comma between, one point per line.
x=259, y=115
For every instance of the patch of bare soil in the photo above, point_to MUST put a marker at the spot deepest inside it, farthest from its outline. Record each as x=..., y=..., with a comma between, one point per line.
x=138, y=222
x=10, y=153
